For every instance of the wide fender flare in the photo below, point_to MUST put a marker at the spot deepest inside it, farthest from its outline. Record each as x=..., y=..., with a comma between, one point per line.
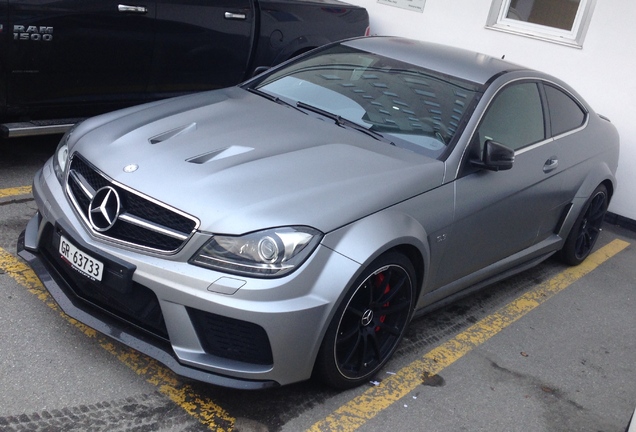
x=365, y=240
x=600, y=173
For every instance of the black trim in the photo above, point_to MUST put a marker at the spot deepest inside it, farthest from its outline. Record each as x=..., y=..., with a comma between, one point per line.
x=231, y=338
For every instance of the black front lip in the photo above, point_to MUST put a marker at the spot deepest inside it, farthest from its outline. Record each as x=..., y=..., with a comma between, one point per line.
x=113, y=328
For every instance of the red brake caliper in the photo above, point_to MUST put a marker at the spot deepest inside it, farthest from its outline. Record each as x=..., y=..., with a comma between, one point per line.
x=379, y=280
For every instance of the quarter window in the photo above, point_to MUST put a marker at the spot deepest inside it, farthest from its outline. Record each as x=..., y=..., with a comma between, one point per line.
x=560, y=21
x=514, y=118
x=565, y=113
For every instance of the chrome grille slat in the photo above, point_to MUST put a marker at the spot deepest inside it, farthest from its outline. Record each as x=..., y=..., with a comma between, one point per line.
x=89, y=192
x=152, y=226
x=142, y=223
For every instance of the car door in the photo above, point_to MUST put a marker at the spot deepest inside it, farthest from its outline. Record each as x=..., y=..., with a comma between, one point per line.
x=201, y=44
x=78, y=57
x=499, y=214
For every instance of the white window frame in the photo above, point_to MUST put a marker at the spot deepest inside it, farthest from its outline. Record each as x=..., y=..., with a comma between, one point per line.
x=497, y=21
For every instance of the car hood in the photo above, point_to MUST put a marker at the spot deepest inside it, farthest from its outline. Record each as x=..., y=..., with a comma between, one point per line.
x=240, y=162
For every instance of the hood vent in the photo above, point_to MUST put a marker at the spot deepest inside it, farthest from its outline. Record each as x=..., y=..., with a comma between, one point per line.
x=173, y=133
x=219, y=154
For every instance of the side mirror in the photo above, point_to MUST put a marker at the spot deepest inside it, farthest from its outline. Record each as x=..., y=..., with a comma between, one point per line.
x=495, y=157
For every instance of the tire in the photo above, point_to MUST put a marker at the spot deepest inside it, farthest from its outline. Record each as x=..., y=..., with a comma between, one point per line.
x=586, y=228
x=369, y=323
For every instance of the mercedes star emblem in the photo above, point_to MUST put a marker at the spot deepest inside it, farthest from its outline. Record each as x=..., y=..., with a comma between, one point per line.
x=367, y=317
x=104, y=209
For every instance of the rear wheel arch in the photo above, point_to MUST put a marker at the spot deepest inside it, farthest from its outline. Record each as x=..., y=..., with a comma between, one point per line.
x=586, y=228
x=610, y=188
x=601, y=174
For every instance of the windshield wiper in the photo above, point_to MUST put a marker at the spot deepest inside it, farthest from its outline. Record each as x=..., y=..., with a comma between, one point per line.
x=343, y=122
x=272, y=98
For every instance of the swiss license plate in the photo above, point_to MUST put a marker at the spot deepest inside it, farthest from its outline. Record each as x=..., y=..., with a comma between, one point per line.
x=80, y=261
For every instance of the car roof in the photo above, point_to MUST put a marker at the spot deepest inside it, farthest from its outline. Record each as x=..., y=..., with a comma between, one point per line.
x=468, y=65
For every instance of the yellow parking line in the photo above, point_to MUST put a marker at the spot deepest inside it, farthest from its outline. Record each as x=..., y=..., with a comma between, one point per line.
x=204, y=410
x=361, y=409
x=16, y=191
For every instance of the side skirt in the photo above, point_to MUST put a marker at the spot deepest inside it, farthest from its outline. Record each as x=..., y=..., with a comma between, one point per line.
x=501, y=270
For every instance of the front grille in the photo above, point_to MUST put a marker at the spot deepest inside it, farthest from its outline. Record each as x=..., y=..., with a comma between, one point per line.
x=231, y=338
x=141, y=223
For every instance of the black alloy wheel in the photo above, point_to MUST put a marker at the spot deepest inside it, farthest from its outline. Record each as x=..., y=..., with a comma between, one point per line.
x=369, y=323
x=586, y=228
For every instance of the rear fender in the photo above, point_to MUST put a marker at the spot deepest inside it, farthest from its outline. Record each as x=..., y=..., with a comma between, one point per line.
x=601, y=173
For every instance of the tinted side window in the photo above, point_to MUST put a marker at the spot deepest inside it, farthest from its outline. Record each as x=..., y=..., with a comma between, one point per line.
x=514, y=118
x=565, y=113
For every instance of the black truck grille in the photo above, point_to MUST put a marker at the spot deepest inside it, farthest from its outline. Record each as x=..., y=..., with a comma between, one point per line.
x=141, y=222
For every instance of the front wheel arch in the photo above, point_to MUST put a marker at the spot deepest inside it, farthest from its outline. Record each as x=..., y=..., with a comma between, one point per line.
x=369, y=322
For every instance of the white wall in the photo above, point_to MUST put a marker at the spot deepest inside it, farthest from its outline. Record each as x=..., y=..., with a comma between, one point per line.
x=603, y=72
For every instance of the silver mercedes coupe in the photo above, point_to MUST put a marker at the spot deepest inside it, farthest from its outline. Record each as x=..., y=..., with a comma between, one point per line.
x=293, y=225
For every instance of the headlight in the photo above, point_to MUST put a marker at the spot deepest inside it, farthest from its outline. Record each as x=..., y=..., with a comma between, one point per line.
x=270, y=253
x=60, y=157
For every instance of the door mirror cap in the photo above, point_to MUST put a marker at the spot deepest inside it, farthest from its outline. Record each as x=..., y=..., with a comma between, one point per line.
x=495, y=157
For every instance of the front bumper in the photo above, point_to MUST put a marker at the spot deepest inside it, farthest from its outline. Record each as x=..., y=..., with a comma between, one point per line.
x=264, y=334
x=114, y=328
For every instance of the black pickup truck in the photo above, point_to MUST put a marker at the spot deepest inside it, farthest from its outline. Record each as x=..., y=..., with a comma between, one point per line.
x=67, y=59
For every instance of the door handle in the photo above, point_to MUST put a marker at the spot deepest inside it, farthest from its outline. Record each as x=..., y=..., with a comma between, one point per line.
x=235, y=16
x=132, y=9
x=551, y=164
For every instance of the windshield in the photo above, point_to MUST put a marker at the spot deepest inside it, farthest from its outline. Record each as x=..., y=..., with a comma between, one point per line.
x=414, y=107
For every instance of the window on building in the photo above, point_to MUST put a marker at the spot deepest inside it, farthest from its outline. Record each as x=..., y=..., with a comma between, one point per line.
x=560, y=21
